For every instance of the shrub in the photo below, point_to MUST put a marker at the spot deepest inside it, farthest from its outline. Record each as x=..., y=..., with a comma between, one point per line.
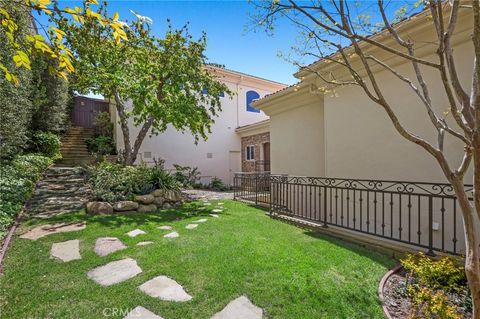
x=428, y=284
x=47, y=143
x=186, y=175
x=112, y=182
x=103, y=124
x=100, y=146
x=218, y=185
x=17, y=180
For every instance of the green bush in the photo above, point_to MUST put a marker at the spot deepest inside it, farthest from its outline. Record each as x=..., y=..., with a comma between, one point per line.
x=187, y=176
x=100, y=146
x=112, y=182
x=17, y=180
x=217, y=184
x=47, y=143
x=103, y=124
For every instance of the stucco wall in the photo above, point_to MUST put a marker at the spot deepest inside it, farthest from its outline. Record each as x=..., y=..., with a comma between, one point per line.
x=297, y=138
x=361, y=141
x=219, y=155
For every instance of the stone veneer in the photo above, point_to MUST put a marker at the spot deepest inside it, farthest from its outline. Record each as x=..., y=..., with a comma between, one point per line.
x=257, y=140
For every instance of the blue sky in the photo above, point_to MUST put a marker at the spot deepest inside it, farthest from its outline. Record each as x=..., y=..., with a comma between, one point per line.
x=226, y=24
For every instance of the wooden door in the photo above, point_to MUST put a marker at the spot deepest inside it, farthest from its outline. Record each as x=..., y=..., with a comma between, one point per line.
x=85, y=109
x=266, y=157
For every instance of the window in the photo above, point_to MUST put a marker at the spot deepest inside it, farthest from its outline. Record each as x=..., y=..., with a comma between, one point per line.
x=251, y=96
x=250, y=153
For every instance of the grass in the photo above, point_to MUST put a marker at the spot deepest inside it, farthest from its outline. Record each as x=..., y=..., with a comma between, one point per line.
x=287, y=271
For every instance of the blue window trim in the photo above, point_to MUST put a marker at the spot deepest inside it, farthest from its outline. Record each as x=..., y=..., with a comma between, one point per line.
x=251, y=96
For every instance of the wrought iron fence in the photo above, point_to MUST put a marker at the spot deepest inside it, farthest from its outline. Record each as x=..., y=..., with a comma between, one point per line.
x=252, y=187
x=424, y=215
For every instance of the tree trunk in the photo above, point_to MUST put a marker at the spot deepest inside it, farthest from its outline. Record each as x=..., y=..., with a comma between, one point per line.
x=127, y=155
x=472, y=261
x=139, y=140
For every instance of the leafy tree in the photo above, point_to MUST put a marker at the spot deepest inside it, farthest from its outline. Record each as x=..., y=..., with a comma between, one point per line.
x=154, y=81
x=341, y=32
x=26, y=44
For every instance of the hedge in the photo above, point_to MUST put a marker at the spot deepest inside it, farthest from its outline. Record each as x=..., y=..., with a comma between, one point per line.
x=17, y=181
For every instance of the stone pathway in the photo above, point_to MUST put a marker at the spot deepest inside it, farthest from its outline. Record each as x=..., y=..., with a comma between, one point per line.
x=165, y=227
x=144, y=243
x=206, y=194
x=115, y=272
x=164, y=288
x=240, y=308
x=106, y=245
x=66, y=251
x=214, y=215
x=48, y=229
x=141, y=313
x=202, y=220
x=191, y=226
x=172, y=235
x=135, y=233
x=61, y=190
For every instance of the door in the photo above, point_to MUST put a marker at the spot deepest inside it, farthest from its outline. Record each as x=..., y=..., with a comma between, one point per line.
x=85, y=110
x=266, y=157
x=235, y=164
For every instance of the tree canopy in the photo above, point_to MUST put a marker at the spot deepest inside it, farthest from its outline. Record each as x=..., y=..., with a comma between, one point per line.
x=154, y=81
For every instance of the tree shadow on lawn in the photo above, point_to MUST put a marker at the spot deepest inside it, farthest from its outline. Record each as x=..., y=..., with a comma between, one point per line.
x=117, y=219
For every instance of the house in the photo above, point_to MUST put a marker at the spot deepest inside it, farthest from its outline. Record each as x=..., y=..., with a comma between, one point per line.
x=337, y=160
x=319, y=130
x=224, y=152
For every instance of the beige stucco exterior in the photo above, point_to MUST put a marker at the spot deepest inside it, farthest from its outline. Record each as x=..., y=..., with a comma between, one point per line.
x=338, y=132
x=342, y=133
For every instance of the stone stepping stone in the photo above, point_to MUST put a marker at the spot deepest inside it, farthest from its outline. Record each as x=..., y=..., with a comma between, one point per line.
x=165, y=288
x=165, y=227
x=136, y=232
x=66, y=251
x=191, y=226
x=207, y=204
x=141, y=313
x=45, y=230
x=219, y=204
x=115, y=272
x=172, y=235
x=107, y=245
x=144, y=243
x=214, y=215
x=240, y=308
x=216, y=210
x=203, y=220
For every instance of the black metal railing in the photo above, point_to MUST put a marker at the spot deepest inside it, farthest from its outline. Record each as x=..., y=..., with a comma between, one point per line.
x=424, y=215
x=253, y=187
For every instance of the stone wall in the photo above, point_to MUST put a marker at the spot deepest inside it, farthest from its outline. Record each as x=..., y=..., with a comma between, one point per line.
x=257, y=141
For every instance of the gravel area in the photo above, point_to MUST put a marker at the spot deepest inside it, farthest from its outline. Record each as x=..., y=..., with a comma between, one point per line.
x=207, y=194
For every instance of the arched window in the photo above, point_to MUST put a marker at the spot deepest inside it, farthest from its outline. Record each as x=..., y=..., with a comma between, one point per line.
x=252, y=95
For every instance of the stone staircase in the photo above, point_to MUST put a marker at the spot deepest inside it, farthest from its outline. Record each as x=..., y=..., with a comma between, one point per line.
x=61, y=190
x=74, y=150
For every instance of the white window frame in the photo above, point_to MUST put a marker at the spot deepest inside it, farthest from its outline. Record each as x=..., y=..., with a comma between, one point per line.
x=251, y=153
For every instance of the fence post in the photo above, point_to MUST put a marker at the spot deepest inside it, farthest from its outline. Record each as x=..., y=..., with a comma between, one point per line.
x=256, y=188
x=235, y=186
x=430, y=227
x=325, y=207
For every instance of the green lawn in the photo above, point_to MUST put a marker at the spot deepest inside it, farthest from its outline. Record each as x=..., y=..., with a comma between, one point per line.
x=287, y=271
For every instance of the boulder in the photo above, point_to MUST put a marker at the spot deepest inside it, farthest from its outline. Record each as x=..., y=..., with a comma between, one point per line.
x=173, y=196
x=144, y=199
x=166, y=206
x=158, y=193
x=124, y=206
x=146, y=208
x=99, y=208
x=158, y=201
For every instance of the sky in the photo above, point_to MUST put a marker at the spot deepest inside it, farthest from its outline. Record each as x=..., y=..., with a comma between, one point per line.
x=227, y=24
